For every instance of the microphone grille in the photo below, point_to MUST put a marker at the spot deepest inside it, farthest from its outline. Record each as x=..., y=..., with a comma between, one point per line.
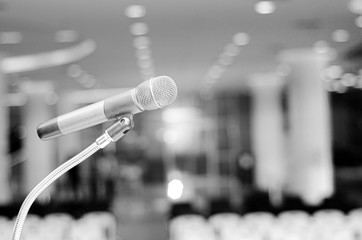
x=156, y=93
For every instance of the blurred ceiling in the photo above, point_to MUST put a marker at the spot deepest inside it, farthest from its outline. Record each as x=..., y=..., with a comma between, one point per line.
x=186, y=37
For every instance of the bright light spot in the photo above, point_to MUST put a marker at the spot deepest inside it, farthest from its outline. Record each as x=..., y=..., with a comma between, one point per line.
x=355, y=6
x=321, y=47
x=334, y=72
x=66, y=36
x=340, y=35
x=141, y=42
x=174, y=189
x=265, y=7
x=358, y=21
x=10, y=37
x=170, y=136
x=135, y=11
x=241, y=39
x=139, y=29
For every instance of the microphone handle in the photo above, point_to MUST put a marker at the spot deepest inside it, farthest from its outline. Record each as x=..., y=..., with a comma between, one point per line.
x=88, y=116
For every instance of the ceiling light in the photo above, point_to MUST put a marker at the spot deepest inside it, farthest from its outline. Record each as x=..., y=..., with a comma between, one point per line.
x=241, y=39
x=10, y=37
x=141, y=42
x=139, y=29
x=225, y=60
x=66, y=36
x=143, y=53
x=135, y=11
x=148, y=72
x=358, y=21
x=145, y=63
x=340, y=35
x=232, y=50
x=265, y=7
x=355, y=6
x=174, y=188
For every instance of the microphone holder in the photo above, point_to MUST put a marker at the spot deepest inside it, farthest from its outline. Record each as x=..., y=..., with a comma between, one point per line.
x=116, y=131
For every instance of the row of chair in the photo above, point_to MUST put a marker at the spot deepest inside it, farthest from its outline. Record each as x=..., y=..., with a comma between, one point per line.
x=328, y=224
x=62, y=226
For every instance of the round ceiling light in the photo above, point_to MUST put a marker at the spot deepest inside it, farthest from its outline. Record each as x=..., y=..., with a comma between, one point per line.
x=241, y=39
x=139, y=29
x=265, y=7
x=355, y=6
x=135, y=11
x=340, y=35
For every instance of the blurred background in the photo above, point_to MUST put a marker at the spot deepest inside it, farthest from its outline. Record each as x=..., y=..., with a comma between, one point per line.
x=267, y=121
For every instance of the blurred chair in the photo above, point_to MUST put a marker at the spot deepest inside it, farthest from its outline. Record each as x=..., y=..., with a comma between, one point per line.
x=221, y=221
x=58, y=225
x=202, y=232
x=85, y=230
x=354, y=221
x=330, y=224
x=293, y=219
x=330, y=217
x=259, y=223
x=258, y=217
x=190, y=226
x=32, y=228
x=6, y=228
x=105, y=221
x=282, y=233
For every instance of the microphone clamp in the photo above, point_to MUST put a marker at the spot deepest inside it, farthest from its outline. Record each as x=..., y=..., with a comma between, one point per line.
x=116, y=131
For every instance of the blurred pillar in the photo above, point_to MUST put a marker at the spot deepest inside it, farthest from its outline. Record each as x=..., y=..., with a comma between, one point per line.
x=310, y=170
x=267, y=133
x=40, y=154
x=5, y=191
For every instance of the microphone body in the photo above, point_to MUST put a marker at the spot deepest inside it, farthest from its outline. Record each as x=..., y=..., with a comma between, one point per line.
x=149, y=95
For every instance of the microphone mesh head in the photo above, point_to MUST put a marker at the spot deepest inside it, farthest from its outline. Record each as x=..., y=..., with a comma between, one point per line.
x=155, y=93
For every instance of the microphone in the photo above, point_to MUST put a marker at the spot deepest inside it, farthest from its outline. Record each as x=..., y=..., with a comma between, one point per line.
x=152, y=94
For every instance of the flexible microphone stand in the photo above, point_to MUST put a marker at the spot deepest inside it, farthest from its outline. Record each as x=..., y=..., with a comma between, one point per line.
x=112, y=134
